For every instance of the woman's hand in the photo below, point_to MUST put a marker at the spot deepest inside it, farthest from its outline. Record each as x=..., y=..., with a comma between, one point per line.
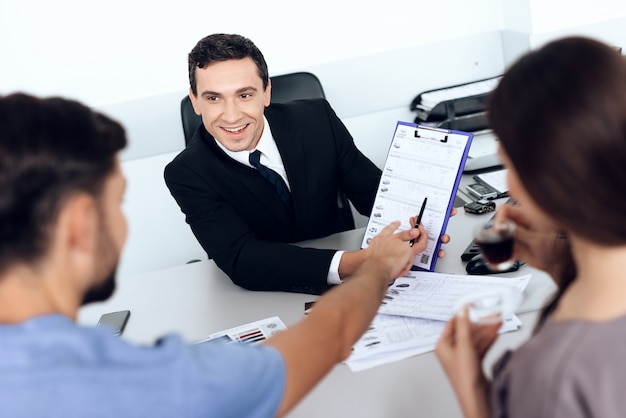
x=538, y=244
x=460, y=350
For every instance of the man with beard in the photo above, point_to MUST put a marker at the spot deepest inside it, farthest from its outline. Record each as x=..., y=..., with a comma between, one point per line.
x=61, y=234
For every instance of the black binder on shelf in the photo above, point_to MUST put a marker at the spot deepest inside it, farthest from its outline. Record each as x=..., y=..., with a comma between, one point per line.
x=460, y=107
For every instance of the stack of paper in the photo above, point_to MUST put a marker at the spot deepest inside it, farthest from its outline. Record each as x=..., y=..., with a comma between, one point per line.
x=415, y=311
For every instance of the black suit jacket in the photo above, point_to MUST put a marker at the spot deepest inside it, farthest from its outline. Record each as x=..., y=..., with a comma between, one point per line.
x=238, y=217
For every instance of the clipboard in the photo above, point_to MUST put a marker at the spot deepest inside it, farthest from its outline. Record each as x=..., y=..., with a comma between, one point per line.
x=422, y=161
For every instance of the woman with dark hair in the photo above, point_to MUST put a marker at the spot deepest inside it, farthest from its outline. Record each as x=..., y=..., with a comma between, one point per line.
x=560, y=115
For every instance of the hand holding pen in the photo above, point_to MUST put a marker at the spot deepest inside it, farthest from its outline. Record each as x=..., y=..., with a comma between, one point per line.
x=419, y=219
x=445, y=238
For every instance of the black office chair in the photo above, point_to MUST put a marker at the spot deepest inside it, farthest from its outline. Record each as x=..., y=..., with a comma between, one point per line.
x=285, y=88
x=294, y=86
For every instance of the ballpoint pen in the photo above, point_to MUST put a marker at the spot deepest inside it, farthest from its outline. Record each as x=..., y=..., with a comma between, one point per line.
x=419, y=220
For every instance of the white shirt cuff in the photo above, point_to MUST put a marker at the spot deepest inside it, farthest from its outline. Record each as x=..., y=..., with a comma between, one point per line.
x=333, y=270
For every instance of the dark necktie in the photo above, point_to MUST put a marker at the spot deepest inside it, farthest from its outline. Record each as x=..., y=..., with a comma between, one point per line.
x=273, y=177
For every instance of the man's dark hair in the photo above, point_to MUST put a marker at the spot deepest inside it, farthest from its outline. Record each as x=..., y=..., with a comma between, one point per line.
x=49, y=149
x=223, y=47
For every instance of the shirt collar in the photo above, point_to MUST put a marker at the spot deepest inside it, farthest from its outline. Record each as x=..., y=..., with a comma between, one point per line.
x=266, y=145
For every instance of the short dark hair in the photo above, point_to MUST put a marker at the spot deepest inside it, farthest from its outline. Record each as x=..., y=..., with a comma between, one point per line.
x=223, y=47
x=49, y=149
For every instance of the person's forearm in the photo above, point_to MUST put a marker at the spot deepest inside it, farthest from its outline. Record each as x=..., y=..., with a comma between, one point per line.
x=350, y=262
x=272, y=266
x=326, y=336
x=475, y=403
x=342, y=314
x=357, y=302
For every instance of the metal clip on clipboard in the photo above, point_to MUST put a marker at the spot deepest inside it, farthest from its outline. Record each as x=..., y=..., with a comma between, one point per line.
x=436, y=134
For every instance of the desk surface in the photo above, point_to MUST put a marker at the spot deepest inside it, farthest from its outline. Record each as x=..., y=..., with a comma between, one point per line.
x=195, y=300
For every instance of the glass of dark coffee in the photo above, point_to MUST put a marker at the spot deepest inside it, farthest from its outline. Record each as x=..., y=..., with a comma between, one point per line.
x=495, y=240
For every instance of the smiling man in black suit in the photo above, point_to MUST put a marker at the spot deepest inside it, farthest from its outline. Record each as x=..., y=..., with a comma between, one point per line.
x=243, y=222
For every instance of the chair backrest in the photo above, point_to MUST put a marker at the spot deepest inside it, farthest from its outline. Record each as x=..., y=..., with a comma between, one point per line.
x=285, y=88
x=294, y=86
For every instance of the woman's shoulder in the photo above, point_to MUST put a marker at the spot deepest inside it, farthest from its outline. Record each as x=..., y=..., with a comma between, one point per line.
x=562, y=368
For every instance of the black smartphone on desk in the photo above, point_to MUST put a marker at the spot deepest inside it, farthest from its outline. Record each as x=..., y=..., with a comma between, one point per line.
x=481, y=191
x=115, y=321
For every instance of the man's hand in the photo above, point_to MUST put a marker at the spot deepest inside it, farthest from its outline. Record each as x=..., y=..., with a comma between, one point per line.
x=445, y=238
x=351, y=260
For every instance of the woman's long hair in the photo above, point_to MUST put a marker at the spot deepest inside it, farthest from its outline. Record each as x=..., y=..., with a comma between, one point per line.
x=560, y=114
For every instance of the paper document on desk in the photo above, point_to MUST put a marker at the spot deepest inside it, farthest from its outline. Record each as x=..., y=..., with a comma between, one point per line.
x=415, y=311
x=422, y=162
x=392, y=338
x=251, y=333
x=434, y=295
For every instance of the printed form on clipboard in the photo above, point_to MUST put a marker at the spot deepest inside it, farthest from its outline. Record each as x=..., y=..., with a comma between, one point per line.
x=422, y=162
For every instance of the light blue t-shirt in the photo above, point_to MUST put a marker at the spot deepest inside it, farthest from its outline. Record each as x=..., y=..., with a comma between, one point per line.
x=50, y=367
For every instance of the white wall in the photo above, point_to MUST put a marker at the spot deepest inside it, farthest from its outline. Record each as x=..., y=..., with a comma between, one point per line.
x=112, y=51
x=561, y=15
x=128, y=59
x=528, y=24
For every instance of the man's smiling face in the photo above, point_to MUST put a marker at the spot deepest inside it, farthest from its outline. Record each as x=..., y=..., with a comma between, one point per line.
x=231, y=101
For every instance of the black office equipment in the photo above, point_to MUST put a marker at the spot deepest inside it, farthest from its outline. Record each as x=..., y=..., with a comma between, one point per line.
x=478, y=266
x=472, y=248
x=479, y=207
x=470, y=251
x=462, y=107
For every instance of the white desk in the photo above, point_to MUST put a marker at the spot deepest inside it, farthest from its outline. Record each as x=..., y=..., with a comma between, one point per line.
x=195, y=300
